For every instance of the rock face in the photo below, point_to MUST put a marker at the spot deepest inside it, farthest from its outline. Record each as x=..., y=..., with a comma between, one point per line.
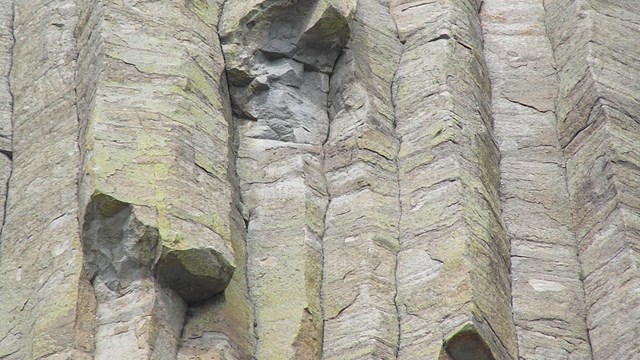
x=320, y=179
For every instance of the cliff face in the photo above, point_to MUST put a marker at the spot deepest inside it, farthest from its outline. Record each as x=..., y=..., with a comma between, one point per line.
x=320, y=179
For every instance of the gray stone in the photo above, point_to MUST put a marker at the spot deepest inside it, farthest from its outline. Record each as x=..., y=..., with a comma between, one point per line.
x=319, y=179
x=599, y=130
x=547, y=295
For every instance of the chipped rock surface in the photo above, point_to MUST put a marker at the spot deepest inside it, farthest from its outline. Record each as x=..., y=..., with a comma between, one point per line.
x=319, y=179
x=547, y=294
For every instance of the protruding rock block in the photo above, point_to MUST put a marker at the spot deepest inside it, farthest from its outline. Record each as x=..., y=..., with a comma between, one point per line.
x=279, y=57
x=196, y=274
x=123, y=240
x=118, y=244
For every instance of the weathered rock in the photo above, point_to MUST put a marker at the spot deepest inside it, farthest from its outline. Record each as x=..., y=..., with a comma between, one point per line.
x=453, y=262
x=6, y=99
x=319, y=179
x=361, y=236
x=155, y=137
x=169, y=138
x=599, y=129
x=548, y=300
x=280, y=55
x=41, y=255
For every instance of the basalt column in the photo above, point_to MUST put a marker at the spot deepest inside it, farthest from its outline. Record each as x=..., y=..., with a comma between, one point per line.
x=597, y=51
x=41, y=255
x=279, y=56
x=454, y=293
x=156, y=190
x=548, y=299
x=361, y=237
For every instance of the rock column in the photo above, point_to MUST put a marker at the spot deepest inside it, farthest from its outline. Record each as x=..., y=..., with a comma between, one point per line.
x=361, y=237
x=548, y=298
x=279, y=57
x=454, y=293
x=41, y=254
x=157, y=193
x=596, y=50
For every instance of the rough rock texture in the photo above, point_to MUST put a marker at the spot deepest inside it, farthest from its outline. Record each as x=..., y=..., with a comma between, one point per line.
x=319, y=179
x=41, y=261
x=548, y=300
x=361, y=239
x=453, y=262
x=599, y=129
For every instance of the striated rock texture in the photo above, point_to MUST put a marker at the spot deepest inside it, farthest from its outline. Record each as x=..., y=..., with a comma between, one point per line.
x=320, y=179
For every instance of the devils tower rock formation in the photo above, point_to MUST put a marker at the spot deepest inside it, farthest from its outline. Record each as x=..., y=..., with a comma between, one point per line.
x=320, y=179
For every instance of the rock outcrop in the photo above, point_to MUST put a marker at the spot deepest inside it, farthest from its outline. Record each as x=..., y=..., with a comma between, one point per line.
x=320, y=179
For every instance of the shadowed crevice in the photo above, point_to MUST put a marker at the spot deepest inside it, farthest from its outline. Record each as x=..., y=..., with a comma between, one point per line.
x=466, y=344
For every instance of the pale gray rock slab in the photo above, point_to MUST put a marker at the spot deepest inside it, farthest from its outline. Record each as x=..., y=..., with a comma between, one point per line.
x=453, y=246
x=6, y=100
x=40, y=250
x=547, y=294
x=360, y=242
x=6, y=54
x=597, y=123
x=285, y=210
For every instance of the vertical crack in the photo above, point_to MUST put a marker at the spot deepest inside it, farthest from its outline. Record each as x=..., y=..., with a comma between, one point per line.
x=329, y=199
x=500, y=215
x=11, y=120
x=398, y=183
x=234, y=135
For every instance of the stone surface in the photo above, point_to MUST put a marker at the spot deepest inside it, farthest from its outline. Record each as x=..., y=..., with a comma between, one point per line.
x=361, y=235
x=280, y=56
x=41, y=255
x=6, y=99
x=453, y=263
x=598, y=127
x=319, y=179
x=548, y=299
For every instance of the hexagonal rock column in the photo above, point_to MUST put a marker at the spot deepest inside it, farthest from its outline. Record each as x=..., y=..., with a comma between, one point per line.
x=40, y=250
x=361, y=237
x=279, y=56
x=156, y=189
x=548, y=298
x=453, y=264
x=597, y=51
